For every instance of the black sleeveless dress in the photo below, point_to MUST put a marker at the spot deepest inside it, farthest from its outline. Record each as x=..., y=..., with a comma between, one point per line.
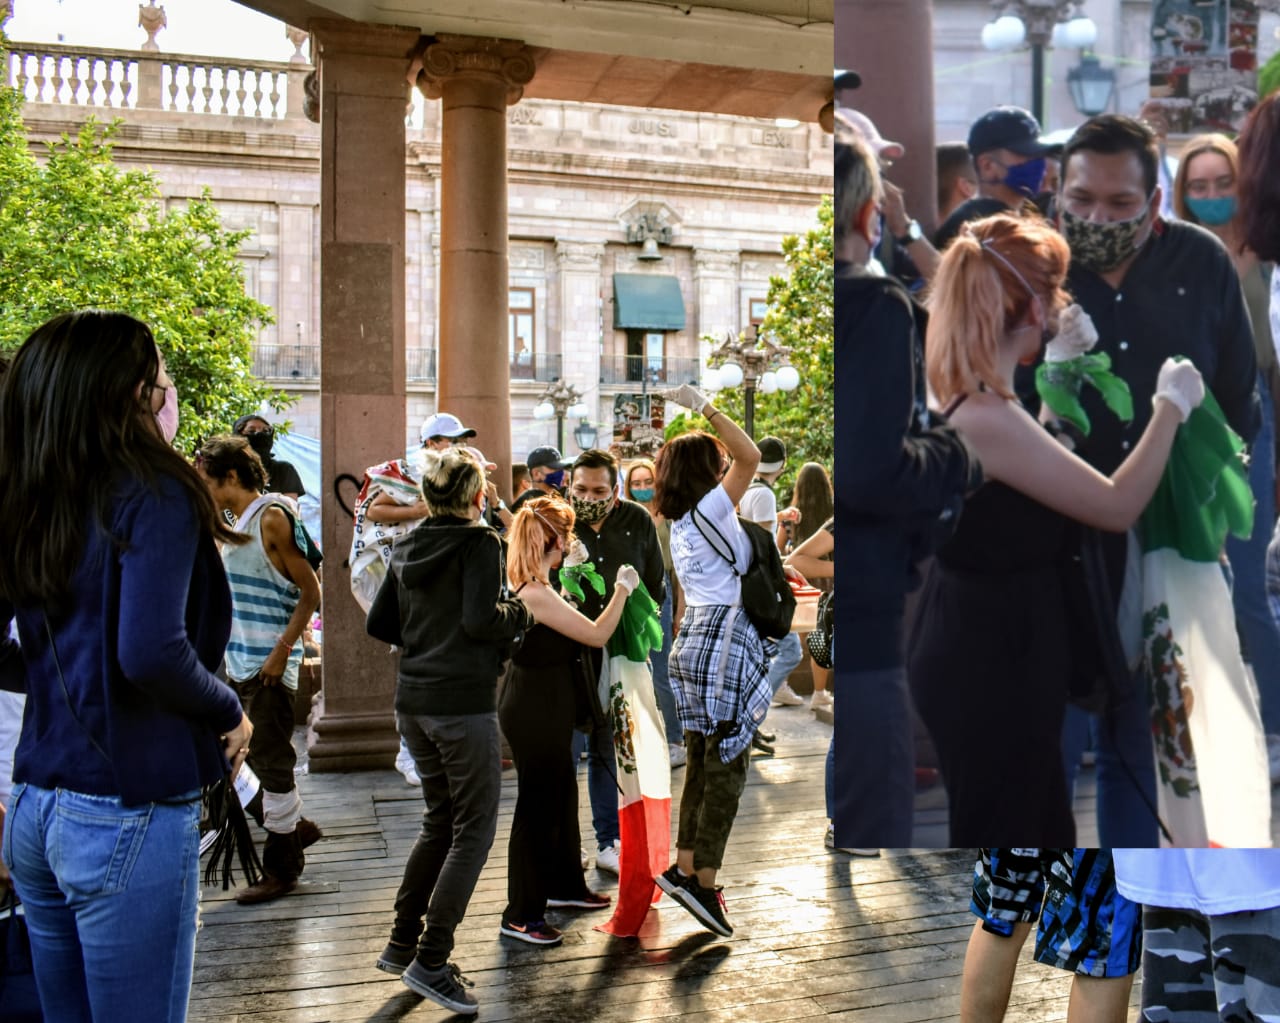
x=989, y=667
x=541, y=702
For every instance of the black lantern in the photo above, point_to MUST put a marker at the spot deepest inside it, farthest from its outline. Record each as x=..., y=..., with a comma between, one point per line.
x=585, y=435
x=1091, y=85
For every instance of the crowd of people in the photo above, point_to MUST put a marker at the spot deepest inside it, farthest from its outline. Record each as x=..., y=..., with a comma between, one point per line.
x=157, y=629
x=1031, y=392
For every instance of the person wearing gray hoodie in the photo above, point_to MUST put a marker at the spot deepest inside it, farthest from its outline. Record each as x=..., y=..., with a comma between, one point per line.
x=445, y=604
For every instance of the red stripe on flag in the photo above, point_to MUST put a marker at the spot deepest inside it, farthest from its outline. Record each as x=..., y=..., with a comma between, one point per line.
x=645, y=826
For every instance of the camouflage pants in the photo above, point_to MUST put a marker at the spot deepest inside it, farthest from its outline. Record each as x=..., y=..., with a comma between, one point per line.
x=709, y=802
x=1211, y=969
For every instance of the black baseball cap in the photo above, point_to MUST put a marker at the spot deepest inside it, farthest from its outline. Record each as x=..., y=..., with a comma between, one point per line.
x=1010, y=128
x=847, y=79
x=548, y=458
x=773, y=455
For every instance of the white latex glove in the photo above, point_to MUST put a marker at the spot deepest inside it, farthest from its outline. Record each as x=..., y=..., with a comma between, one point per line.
x=1180, y=384
x=577, y=554
x=628, y=577
x=688, y=396
x=1076, y=335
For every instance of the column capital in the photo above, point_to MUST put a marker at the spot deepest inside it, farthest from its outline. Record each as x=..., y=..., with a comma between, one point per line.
x=716, y=262
x=506, y=61
x=338, y=35
x=583, y=257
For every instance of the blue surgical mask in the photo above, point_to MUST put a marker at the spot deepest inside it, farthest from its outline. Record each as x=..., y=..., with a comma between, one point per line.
x=554, y=479
x=1026, y=177
x=644, y=496
x=1214, y=212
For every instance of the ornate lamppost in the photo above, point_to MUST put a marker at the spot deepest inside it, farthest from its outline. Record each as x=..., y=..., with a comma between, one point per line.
x=759, y=363
x=1039, y=23
x=560, y=399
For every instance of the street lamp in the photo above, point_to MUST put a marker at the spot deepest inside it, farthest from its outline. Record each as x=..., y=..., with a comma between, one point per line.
x=759, y=364
x=584, y=434
x=1039, y=23
x=560, y=399
x=1091, y=85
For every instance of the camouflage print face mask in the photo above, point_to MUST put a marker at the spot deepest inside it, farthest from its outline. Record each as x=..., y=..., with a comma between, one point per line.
x=1102, y=247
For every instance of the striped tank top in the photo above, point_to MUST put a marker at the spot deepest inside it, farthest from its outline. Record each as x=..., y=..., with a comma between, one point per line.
x=262, y=600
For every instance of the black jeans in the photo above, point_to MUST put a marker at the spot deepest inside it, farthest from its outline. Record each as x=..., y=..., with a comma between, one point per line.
x=457, y=757
x=272, y=758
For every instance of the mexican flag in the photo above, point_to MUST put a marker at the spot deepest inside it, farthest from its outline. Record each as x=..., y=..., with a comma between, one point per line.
x=644, y=765
x=1210, y=750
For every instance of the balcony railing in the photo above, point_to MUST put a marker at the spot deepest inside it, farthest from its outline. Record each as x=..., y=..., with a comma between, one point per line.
x=131, y=79
x=636, y=369
x=287, y=362
x=541, y=366
x=420, y=365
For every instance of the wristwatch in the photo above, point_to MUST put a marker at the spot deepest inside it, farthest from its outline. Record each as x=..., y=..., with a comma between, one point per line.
x=914, y=234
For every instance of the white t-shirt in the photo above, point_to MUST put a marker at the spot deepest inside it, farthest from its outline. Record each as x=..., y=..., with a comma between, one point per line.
x=704, y=575
x=760, y=505
x=1211, y=881
x=1275, y=308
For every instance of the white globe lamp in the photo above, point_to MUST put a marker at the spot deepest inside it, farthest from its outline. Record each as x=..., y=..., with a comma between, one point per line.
x=788, y=378
x=730, y=375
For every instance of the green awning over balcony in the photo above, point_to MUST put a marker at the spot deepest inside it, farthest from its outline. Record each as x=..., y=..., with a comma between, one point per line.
x=647, y=302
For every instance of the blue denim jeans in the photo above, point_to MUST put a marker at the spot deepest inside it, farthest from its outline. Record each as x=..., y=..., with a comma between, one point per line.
x=1123, y=738
x=602, y=783
x=1251, y=582
x=111, y=894
x=661, y=680
x=785, y=661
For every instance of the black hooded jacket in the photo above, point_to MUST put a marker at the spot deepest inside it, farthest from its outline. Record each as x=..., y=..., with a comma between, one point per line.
x=446, y=605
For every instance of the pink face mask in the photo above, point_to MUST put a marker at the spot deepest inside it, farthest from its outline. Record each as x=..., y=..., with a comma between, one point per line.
x=167, y=417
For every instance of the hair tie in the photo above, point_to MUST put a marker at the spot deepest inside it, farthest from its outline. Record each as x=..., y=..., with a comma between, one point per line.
x=546, y=521
x=989, y=246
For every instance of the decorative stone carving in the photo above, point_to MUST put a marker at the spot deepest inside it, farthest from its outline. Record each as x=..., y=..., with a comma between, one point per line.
x=507, y=60
x=715, y=263
x=297, y=36
x=526, y=257
x=311, y=98
x=151, y=19
x=636, y=209
x=651, y=126
x=774, y=138
x=582, y=257
x=524, y=115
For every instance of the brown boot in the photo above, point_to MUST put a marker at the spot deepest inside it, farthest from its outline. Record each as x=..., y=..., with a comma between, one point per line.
x=266, y=890
x=308, y=832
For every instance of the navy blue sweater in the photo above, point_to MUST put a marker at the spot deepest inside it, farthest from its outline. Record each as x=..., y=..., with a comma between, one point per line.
x=141, y=712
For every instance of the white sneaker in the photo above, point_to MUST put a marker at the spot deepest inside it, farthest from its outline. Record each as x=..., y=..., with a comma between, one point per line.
x=1273, y=757
x=607, y=859
x=406, y=767
x=830, y=842
x=679, y=755
x=821, y=698
x=787, y=697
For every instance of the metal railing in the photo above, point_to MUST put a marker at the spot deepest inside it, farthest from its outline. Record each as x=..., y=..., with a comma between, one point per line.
x=637, y=369
x=132, y=79
x=287, y=362
x=420, y=365
x=540, y=366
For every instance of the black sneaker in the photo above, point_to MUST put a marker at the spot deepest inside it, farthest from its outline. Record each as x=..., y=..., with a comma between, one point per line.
x=537, y=933
x=396, y=958
x=592, y=900
x=671, y=881
x=707, y=904
x=445, y=985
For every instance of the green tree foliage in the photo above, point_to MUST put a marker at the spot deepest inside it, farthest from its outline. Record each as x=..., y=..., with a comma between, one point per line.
x=1269, y=76
x=801, y=317
x=76, y=231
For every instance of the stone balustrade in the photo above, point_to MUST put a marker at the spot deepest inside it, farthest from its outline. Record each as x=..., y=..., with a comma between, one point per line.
x=129, y=79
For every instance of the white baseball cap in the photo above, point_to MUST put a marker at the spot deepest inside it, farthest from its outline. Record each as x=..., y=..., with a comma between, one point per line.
x=444, y=424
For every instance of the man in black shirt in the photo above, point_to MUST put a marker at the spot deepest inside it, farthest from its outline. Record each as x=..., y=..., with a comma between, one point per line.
x=282, y=477
x=615, y=532
x=1009, y=157
x=1153, y=289
x=546, y=471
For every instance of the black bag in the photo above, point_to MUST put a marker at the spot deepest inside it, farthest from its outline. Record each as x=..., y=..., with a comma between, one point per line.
x=1100, y=677
x=19, y=1001
x=819, y=640
x=766, y=594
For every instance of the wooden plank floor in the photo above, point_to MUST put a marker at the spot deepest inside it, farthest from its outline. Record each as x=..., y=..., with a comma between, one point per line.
x=819, y=936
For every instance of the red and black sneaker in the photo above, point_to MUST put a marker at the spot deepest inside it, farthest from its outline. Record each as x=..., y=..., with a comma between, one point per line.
x=537, y=933
x=591, y=900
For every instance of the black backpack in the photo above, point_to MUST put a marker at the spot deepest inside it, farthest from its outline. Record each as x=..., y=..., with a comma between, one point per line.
x=766, y=594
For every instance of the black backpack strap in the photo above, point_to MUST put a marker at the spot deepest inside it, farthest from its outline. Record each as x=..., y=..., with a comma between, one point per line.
x=732, y=561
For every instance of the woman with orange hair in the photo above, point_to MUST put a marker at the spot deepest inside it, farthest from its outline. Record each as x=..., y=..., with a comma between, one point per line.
x=990, y=654
x=540, y=705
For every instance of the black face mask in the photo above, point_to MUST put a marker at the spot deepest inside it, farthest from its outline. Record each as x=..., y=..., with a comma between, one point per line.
x=261, y=442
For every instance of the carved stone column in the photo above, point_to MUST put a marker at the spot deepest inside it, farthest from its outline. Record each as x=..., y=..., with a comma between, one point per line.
x=715, y=276
x=579, y=266
x=477, y=79
x=362, y=74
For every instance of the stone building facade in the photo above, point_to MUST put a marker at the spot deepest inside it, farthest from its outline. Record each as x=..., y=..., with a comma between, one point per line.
x=717, y=194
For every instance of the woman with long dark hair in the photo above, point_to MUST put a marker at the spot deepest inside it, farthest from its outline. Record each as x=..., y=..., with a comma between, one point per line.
x=123, y=612
x=542, y=702
x=719, y=667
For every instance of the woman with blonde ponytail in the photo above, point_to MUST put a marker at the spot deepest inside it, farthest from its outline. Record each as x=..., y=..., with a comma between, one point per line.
x=540, y=706
x=990, y=652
